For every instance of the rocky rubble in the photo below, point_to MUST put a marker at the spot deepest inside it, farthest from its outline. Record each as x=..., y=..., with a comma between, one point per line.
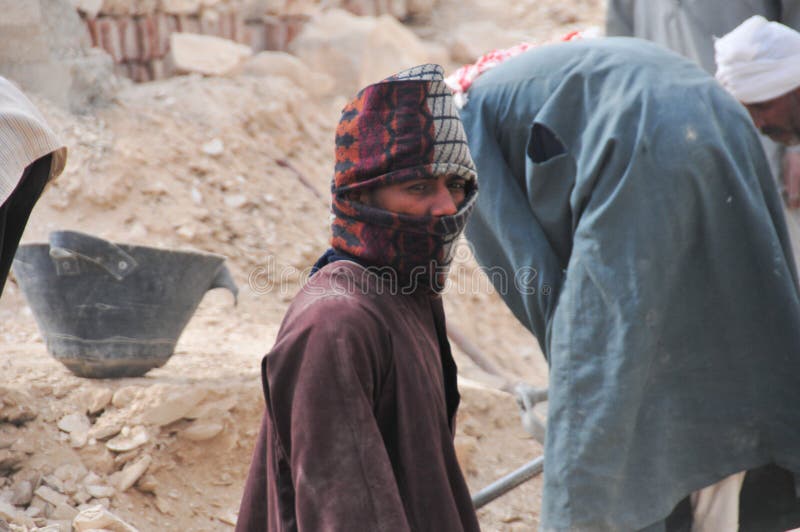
x=121, y=438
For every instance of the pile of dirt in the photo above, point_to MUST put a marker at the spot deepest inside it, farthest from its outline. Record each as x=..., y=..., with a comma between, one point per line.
x=238, y=166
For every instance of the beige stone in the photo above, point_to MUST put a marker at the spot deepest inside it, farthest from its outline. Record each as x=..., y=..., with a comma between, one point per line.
x=357, y=51
x=131, y=473
x=206, y=54
x=288, y=66
x=77, y=426
x=201, y=431
x=99, y=491
x=15, y=406
x=99, y=518
x=95, y=400
x=163, y=405
x=125, y=396
x=128, y=439
x=50, y=495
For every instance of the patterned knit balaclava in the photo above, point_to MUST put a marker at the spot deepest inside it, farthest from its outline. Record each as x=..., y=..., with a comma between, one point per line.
x=400, y=129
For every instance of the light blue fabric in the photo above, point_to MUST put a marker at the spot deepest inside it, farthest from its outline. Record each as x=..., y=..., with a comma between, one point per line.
x=655, y=269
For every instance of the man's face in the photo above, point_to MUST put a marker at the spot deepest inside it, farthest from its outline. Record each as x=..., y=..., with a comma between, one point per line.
x=440, y=196
x=778, y=118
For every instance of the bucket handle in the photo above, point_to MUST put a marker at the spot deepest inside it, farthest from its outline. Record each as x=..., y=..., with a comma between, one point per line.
x=224, y=279
x=67, y=246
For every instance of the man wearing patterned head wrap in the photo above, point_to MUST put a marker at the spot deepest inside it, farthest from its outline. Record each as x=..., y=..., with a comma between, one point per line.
x=759, y=64
x=30, y=156
x=360, y=386
x=632, y=194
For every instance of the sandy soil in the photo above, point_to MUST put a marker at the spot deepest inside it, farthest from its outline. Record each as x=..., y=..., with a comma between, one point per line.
x=237, y=166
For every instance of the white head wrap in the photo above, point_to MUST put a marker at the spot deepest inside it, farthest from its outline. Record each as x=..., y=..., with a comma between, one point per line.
x=759, y=60
x=24, y=138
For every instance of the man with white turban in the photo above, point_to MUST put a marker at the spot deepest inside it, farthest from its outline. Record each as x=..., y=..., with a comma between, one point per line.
x=759, y=64
x=30, y=156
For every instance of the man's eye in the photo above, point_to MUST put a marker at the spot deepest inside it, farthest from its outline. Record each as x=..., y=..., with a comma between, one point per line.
x=419, y=187
x=457, y=185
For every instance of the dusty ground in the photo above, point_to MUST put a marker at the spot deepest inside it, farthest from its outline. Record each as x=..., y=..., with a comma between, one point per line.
x=240, y=167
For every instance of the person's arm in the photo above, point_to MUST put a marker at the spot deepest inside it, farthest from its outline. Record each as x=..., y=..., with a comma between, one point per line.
x=507, y=238
x=322, y=381
x=619, y=18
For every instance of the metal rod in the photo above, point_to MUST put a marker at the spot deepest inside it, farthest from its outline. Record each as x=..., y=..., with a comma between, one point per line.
x=507, y=483
x=480, y=359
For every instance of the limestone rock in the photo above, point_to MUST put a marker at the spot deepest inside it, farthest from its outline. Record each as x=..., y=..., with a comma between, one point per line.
x=10, y=460
x=357, y=51
x=163, y=405
x=98, y=518
x=15, y=406
x=206, y=54
x=201, y=431
x=473, y=39
x=22, y=493
x=12, y=515
x=131, y=473
x=95, y=400
x=50, y=495
x=77, y=426
x=106, y=426
x=99, y=491
x=269, y=63
x=128, y=439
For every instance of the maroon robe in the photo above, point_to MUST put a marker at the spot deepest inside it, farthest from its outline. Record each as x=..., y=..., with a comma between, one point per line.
x=361, y=397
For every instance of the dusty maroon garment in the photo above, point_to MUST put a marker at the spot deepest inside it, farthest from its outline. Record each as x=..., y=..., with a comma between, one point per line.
x=358, y=431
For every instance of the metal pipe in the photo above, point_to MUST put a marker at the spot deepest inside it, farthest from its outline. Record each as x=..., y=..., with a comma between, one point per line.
x=507, y=483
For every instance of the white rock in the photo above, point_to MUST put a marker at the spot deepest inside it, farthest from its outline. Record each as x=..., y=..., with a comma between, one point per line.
x=128, y=440
x=269, y=63
x=13, y=515
x=206, y=54
x=64, y=512
x=236, y=201
x=50, y=495
x=214, y=147
x=201, y=431
x=99, y=491
x=105, y=427
x=131, y=472
x=164, y=404
x=357, y=51
x=98, y=518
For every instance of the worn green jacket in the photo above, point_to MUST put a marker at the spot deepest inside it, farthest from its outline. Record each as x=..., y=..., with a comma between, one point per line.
x=627, y=198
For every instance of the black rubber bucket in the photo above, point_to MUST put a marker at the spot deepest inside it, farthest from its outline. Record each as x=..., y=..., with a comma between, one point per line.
x=114, y=310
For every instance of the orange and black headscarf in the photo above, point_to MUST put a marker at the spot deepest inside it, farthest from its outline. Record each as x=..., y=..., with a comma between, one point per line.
x=403, y=128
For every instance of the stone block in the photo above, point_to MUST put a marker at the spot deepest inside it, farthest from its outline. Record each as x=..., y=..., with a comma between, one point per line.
x=147, y=36
x=109, y=38
x=206, y=54
x=129, y=39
